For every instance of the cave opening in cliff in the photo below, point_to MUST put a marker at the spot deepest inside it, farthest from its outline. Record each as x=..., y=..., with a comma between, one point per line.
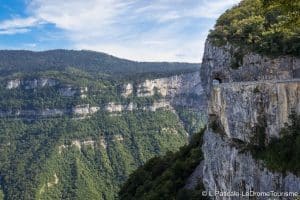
x=217, y=81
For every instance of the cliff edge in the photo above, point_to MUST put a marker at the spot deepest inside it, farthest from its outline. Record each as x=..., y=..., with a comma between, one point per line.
x=262, y=92
x=253, y=86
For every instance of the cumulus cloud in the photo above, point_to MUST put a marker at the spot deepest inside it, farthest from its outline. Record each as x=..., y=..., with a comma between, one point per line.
x=78, y=15
x=172, y=30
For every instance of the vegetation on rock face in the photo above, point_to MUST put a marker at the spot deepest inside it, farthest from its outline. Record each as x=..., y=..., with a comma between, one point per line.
x=283, y=154
x=1, y=195
x=193, y=121
x=165, y=177
x=270, y=27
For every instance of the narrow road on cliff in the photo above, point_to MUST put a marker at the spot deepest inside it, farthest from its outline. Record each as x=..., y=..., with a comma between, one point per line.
x=258, y=82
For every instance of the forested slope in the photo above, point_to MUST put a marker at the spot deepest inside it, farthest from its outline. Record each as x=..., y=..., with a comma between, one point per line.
x=74, y=125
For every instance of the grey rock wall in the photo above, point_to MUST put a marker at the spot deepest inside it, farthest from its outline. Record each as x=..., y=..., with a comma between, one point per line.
x=183, y=90
x=217, y=64
x=261, y=89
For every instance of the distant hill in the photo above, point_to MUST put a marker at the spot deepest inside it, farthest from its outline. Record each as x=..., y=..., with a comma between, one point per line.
x=95, y=63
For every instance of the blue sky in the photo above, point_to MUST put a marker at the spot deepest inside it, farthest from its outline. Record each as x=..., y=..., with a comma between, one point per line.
x=143, y=30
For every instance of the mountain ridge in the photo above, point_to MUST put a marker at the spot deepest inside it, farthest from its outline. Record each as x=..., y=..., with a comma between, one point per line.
x=87, y=51
x=16, y=61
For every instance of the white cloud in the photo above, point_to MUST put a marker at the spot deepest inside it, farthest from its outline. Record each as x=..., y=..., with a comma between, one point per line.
x=166, y=10
x=151, y=46
x=18, y=25
x=78, y=15
x=13, y=31
x=212, y=9
x=30, y=45
x=140, y=30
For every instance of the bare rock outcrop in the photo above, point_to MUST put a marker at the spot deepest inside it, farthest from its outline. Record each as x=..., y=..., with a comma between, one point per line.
x=261, y=90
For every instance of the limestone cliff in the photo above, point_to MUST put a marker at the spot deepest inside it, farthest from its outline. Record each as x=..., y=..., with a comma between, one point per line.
x=31, y=83
x=261, y=90
x=171, y=86
x=181, y=90
x=217, y=64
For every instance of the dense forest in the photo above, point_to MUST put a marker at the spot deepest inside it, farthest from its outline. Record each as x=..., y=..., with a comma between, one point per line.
x=87, y=156
x=165, y=177
x=63, y=158
x=94, y=64
x=270, y=27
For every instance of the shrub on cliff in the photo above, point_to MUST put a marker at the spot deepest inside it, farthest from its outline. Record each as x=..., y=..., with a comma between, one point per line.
x=265, y=26
x=284, y=154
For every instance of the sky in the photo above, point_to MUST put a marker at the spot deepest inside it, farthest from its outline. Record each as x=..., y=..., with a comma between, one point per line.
x=141, y=30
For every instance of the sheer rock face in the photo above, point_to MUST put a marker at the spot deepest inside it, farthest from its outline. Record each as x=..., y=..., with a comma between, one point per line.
x=127, y=90
x=240, y=107
x=180, y=90
x=32, y=83
x=183, y=90
x=261, y=90
x=217, y=64
x=12, y=84
x=71, y=91
x=171, y=86
x=115, y=107
x=226, y=168
x=79, y=110
x=85, y=109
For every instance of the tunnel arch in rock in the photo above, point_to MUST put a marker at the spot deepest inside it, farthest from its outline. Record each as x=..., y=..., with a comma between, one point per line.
x=218, y=78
